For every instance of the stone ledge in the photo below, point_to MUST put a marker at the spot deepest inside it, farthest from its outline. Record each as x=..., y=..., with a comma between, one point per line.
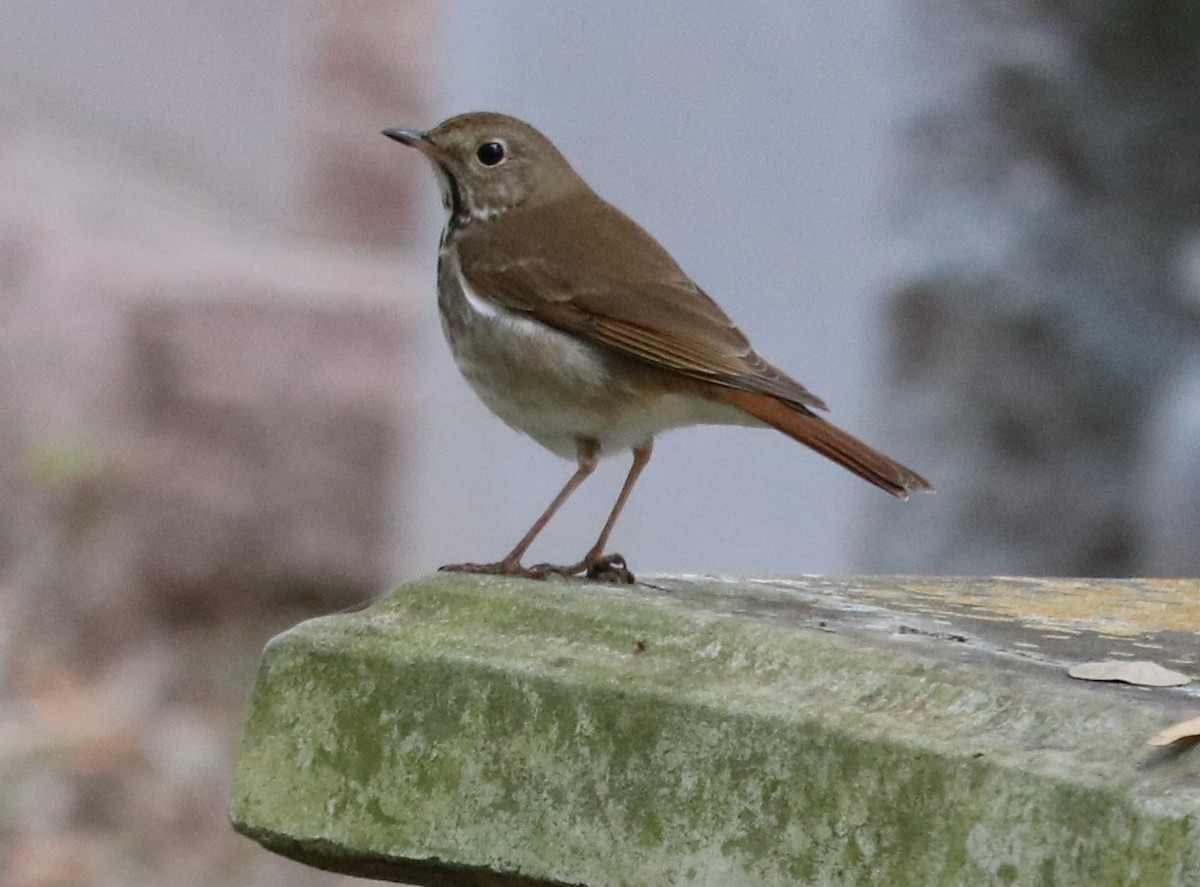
x=480, y=731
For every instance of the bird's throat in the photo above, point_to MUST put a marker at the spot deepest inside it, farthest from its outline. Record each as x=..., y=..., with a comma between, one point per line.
x=452, y=199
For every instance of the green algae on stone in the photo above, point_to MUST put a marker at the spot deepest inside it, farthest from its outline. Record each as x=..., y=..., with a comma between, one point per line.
x=514, y=729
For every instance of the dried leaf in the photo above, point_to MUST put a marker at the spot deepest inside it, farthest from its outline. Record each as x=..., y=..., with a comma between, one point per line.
x=1189, y=729
x=1141, y=673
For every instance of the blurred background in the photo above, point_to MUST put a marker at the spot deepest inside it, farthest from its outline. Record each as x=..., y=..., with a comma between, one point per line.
x=973, y=227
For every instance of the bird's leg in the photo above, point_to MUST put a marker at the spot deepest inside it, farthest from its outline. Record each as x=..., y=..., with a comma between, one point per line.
x=612, y=567
x=588, y=451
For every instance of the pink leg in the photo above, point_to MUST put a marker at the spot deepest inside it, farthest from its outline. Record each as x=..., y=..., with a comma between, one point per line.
x=511, y=565
x=641, y=455
x=595, y=564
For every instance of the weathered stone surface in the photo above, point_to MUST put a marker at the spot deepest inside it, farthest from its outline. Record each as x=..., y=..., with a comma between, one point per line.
x=472, y=731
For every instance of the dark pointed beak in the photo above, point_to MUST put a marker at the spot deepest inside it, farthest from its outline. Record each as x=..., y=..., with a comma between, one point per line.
x=413, y=138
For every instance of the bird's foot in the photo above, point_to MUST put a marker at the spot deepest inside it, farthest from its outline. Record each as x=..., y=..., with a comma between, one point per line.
x=610, y=568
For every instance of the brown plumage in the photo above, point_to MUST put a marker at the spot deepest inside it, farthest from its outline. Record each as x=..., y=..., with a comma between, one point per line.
x=555, y=267
x=827, y=439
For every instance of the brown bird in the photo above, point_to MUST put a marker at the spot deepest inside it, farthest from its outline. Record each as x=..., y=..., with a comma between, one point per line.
x=575, y=326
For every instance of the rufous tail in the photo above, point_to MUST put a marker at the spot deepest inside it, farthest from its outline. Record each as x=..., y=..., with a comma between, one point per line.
x=827, y=439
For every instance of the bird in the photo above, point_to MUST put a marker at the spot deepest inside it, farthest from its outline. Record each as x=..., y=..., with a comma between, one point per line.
x=576, y=327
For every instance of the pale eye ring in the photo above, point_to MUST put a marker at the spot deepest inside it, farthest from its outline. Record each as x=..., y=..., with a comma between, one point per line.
x=490, y=153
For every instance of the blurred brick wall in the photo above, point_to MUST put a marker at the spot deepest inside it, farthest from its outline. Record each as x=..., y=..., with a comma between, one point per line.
x=373, y=66
x=201, y=404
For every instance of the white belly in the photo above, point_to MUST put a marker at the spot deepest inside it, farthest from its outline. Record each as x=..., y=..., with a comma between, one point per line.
x=559, y=389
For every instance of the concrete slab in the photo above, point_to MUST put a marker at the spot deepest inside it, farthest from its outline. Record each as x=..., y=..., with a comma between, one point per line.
x=854, y=731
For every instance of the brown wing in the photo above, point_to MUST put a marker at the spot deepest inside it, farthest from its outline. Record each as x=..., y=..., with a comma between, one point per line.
x=557, y=267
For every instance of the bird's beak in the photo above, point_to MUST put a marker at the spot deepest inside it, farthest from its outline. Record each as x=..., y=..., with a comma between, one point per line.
x=414, y=139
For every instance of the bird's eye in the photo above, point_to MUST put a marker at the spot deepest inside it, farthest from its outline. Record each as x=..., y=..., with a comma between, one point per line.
x=490, y=153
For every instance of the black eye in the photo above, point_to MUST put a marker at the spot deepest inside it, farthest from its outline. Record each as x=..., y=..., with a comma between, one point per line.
x=490, y=153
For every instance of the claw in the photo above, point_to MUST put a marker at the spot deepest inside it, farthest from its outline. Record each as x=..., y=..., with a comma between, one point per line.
x=610, y=568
